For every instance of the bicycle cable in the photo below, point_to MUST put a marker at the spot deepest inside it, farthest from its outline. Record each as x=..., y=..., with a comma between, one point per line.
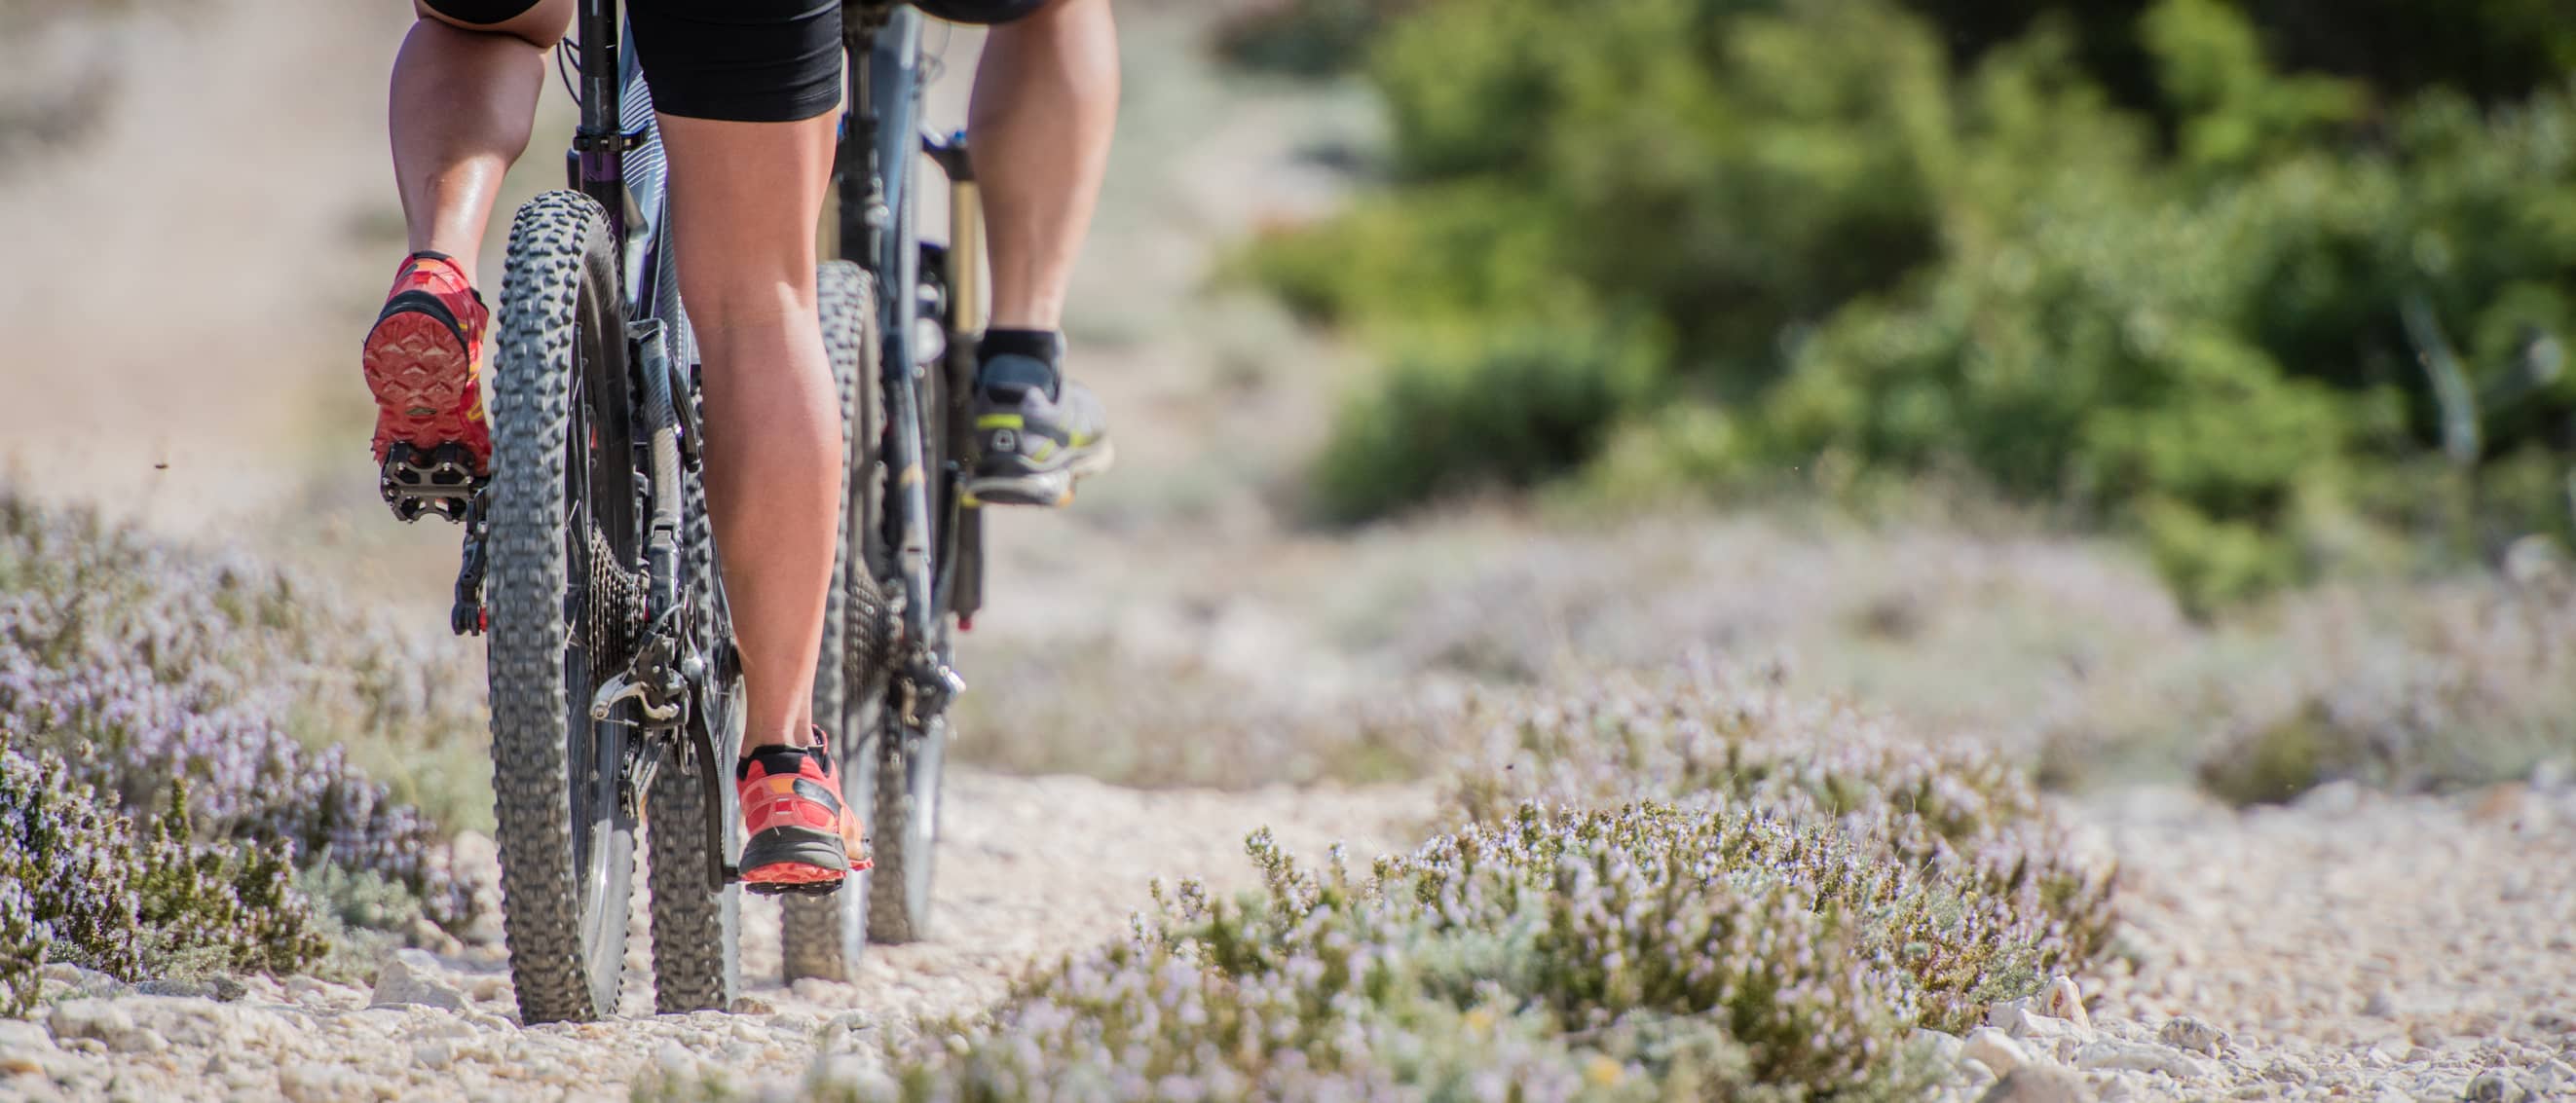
x=935, y=60
x=568, y=68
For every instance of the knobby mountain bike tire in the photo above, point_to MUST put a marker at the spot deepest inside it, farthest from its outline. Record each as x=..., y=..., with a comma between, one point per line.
x=563, y=518
x=823, y=936
x=909, y=755
x=696, y=948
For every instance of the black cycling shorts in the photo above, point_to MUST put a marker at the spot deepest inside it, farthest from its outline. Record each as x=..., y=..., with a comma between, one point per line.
x=751, y=61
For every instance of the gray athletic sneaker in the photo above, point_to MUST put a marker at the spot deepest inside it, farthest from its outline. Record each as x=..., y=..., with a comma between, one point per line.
x=1033, y=444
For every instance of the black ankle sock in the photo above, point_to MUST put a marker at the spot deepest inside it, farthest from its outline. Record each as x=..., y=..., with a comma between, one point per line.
x=779, y=760
x=1035, y=355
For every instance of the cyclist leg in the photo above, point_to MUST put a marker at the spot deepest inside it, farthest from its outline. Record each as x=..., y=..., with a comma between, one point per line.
x=1044, y=111
x=746, y=92
x=463, y=98
x=745, y=198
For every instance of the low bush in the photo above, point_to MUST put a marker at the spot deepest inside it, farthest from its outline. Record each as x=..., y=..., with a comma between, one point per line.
x=1957, y=817
x=2460, y=684
x=1676, y=887
x=87, y=884
x=1311, y=38
x=157, y=675
x=1503, y=413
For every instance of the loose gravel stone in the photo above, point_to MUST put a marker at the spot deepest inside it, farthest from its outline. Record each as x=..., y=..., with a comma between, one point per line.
x=2112, y=1055
x=2038, y=1084
x=408, y=977
x=1996, y=1050
x=2355, y=945
x=2187, y=1033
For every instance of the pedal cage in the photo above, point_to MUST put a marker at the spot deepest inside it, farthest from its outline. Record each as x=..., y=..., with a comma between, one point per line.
x=438, y=483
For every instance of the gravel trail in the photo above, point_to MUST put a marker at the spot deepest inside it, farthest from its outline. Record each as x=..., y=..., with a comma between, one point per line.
x=2354, y=945
x=1032, y=868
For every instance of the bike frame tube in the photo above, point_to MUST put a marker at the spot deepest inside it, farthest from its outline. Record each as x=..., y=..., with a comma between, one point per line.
x=876, y=205
x=599, y=152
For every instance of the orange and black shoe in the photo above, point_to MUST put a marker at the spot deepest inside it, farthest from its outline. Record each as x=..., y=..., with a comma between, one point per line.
x=800, y=838
x=424, y=362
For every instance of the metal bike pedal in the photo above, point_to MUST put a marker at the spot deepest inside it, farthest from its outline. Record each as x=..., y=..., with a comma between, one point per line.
x=764, y=888
x=438, y=483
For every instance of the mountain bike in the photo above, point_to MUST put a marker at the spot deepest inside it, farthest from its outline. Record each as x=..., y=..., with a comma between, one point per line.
x=589, y=564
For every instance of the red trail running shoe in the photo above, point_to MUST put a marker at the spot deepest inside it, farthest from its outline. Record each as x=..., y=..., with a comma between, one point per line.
x=424, y=362
x=800, y=838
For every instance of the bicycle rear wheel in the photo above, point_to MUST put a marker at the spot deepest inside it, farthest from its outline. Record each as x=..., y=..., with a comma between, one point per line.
x=565, y=605
x=697, y=962
x=823, y=936
x=909, y=755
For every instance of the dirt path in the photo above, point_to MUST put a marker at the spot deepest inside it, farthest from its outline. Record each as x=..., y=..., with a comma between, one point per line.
x=1033, y=868
x=2352, y=946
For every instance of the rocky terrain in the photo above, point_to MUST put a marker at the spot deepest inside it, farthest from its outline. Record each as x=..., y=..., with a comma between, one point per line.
x=1032, y=869
x=2353, y=946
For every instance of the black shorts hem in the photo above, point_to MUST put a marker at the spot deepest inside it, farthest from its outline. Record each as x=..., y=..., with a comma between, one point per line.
x=481, y=13
x=742, y=61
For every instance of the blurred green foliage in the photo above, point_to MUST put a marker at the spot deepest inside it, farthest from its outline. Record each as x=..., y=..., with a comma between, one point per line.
x=1871, y=240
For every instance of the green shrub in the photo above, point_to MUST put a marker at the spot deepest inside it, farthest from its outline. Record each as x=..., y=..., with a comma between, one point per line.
x=2213, y=324
x=1504, y=412
x=88, y=885
x=1310, y=38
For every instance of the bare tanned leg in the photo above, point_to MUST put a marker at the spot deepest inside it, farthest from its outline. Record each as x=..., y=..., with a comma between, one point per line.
x=1045, y=107
x=463, y=102
x=744, y=201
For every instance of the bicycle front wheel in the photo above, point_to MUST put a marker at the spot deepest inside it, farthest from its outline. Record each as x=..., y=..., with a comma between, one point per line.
x=822, y=937
x=566, y=606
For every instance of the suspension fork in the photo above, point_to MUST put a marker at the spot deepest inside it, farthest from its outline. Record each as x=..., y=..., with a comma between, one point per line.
x=962, y=270
x=878, y=145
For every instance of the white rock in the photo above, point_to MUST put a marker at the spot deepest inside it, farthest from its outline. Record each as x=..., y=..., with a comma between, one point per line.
x=2108, y=1055
x=203, y=1023
x=414, y=977
x=88, y=1018
x=433, y=1054
x=2288, y=1069
x=25, y=1047
x=2187, y=1033
x=1996, y=1050
x=18, y=1034
x=138, y=1041
x=2038, y=1084
x=676, y=1060
x=2023, y=1023
x=2493, y=1086
x=2066, y=1001
x=310, y=992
